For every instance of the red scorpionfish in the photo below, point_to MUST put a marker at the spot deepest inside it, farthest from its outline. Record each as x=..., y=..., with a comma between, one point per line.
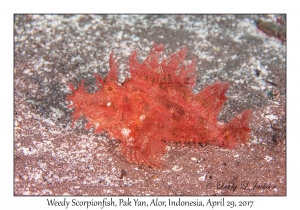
x=157, y=105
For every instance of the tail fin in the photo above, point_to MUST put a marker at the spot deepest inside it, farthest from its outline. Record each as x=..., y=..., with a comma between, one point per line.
x=237, y=130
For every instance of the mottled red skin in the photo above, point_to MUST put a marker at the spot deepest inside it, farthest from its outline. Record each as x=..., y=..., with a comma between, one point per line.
x=155, y=105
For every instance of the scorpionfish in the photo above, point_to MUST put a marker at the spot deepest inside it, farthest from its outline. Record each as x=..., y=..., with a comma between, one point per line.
x=156, y=105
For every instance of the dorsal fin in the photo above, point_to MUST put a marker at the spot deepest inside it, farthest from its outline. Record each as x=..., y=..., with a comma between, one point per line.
x=113, y=72
x=212, y=98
